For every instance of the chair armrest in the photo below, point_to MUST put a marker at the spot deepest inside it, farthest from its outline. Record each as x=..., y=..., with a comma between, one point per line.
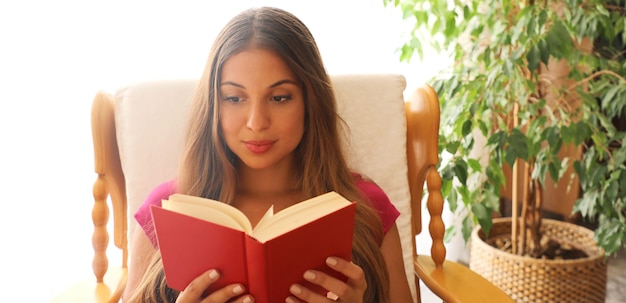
x=456, y=283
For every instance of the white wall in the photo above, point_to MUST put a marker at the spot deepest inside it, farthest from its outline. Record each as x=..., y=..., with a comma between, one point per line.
x=55, y=55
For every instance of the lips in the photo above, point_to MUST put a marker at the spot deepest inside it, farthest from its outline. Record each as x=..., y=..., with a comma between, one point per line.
x=259, y=147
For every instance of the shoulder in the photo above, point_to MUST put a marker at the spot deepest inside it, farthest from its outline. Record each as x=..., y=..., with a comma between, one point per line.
x=378, y=199
x=143, y=216
x=371, y=190
x=162, y=191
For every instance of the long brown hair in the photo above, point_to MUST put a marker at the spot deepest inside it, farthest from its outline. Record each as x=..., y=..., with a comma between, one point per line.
x=208, y=166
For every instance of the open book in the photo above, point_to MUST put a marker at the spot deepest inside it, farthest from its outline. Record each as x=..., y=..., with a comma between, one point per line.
x=197, y=234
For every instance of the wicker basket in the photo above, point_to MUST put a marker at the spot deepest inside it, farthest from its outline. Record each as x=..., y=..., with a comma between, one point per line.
x=528, y=279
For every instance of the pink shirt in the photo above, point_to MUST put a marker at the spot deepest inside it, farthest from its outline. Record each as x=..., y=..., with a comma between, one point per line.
x=388, y=212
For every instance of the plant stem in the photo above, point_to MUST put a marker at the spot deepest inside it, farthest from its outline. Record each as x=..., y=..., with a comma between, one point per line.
x=595, y=75
x=514, y=202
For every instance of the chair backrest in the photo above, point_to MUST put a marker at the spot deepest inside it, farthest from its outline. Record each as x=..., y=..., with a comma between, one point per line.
x=150, y=127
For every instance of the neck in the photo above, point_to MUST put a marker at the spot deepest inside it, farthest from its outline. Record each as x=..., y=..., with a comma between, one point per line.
x=266, y=182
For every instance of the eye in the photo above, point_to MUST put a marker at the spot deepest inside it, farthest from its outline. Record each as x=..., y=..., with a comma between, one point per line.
x=232, y=99
x=281, y=98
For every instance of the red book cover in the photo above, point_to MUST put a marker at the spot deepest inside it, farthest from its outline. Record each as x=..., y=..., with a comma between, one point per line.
x=191, y=246
x=282, y=261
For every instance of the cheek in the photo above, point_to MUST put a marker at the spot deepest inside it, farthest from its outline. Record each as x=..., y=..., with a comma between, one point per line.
x=296, y=123
x=228, y=122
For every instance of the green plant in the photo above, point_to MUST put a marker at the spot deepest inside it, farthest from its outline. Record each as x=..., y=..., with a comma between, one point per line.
x=499, y=87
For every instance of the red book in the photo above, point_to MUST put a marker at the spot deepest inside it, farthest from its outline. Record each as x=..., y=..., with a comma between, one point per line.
x=197, y=234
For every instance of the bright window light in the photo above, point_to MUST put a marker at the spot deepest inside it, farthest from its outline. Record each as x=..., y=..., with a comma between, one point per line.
x=56, y=55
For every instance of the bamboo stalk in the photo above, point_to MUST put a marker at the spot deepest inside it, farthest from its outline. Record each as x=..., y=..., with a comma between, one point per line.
x=525, y=209
x=514, y=201
x=514, y=211
x=537, y=214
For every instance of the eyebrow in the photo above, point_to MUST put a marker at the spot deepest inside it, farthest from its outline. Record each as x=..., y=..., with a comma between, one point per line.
x=281, y=82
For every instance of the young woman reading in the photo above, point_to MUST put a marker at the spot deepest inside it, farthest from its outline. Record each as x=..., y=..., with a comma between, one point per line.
x=264, y=130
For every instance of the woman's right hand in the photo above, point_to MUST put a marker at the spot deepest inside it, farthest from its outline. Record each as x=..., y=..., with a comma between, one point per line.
x=194, y=291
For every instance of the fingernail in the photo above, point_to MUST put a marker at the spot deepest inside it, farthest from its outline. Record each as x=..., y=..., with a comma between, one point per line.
x=295, y=289
x=309, y=275
x=331, y=261
x=238, y=289
x=247, y=300
x=213, y=274
x=289, y=300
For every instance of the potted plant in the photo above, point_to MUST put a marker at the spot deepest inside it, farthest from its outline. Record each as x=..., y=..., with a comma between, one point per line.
x=532, y=79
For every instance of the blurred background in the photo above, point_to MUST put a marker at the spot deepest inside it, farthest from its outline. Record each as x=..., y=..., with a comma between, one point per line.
x=54, y=57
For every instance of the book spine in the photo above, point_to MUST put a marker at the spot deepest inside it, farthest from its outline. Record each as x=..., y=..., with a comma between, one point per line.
x=258, y=278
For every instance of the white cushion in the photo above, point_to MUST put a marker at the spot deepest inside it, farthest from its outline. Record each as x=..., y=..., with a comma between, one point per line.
x=150, y=128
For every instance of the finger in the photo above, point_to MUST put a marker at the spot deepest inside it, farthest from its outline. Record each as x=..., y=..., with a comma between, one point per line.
x=244, y=299
x=355, y=286
x=293, y=300
x=196, y=288
x=227, y=293
x=349, y=269
x=303, y=294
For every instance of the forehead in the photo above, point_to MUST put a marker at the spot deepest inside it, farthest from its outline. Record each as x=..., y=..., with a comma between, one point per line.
x=256, y=65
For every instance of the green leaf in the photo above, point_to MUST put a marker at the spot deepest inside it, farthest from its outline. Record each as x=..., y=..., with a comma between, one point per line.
x=554, y=169
x=446, y=187
x=492, y=200
x=586, y=204
x=466, y=128
x=510, y=156
x=447, y=173
x=483, y=215
x=559, y=40
x=519, y=145
x=580, y=171
x=607, y=124
x=450, y=25
x=453, y=200
x=449, y=234
x=610, y=193
x=496, y=175
x=533, y=57
x=610, y=234
x=460, y=170
x=465, y=194
x=543, y=17
x=466, y=228
x=517, y=53
x=609, y=96
x=452, y=147
x=580, y=132
x=497, y=139
x=406, y=53
x=483, y=127
x=544, y=51
x=531, y=28
x=619, y=156
x=539, y=171
x=474, y=165
x=553, y=137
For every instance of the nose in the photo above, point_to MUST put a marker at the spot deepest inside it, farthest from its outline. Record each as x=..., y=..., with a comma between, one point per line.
x=258, y=116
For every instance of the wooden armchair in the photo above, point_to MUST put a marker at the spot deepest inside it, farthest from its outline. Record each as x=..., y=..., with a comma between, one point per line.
x=138, y=137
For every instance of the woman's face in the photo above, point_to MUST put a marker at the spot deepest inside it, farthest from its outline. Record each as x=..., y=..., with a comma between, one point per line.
x=261, y=109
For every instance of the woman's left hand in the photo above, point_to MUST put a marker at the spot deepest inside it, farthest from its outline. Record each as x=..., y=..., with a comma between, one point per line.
x=350, y=291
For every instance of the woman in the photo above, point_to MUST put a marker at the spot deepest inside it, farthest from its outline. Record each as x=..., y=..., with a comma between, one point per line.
x=264, y=131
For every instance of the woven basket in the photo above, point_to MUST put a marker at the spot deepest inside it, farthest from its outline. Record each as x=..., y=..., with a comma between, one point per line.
x=527, y=279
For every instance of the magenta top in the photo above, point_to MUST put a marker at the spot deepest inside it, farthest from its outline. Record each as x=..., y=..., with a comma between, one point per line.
x=387, y=211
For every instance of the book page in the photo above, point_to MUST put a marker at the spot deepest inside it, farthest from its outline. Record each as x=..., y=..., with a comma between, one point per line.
x=208, y=210
x=297, y=215
x=269, y=214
